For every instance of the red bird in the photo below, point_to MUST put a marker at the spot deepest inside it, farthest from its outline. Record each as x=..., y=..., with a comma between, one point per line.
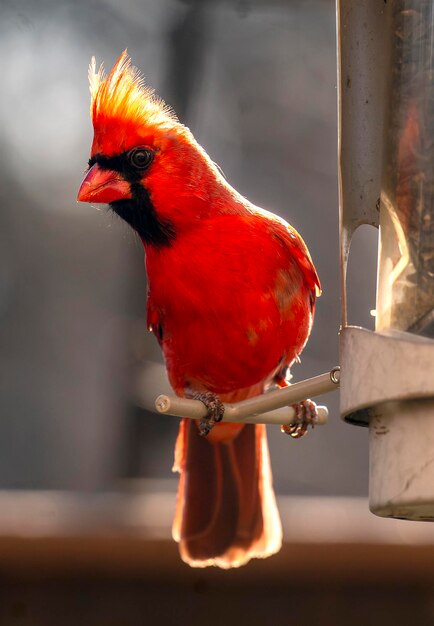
x=231, y=299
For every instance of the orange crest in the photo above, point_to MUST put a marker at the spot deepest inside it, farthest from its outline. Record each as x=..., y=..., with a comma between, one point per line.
x=122, y=100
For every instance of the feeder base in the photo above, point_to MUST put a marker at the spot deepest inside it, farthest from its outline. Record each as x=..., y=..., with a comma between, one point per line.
x=401, y=460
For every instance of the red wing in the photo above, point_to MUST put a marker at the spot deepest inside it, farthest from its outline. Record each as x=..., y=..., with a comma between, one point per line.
x=294, y=244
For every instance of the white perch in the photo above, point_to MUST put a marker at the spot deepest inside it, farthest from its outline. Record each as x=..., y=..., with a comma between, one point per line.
x=269, y=408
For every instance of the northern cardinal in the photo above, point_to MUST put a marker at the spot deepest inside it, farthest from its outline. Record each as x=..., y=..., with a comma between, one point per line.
x=231, y=299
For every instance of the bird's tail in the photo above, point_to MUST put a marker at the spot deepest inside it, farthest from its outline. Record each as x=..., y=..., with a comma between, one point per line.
x=226, y=509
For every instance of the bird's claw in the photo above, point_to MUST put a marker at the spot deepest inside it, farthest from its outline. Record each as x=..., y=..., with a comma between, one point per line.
x=215, y=408
x=306, y=414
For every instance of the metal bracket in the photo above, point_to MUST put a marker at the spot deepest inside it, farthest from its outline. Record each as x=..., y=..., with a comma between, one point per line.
x=366, y=386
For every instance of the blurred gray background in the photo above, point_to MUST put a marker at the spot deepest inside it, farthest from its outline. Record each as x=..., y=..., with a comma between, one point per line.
x=256, y=83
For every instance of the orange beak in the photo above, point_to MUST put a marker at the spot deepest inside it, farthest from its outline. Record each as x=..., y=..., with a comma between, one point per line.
x=103, y=186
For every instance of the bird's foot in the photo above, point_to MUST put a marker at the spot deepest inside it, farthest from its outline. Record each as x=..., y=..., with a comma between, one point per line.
x=306, y=414
x=215, y=409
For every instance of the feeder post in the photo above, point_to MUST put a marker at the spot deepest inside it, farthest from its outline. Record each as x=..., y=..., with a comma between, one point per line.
x=387, y=378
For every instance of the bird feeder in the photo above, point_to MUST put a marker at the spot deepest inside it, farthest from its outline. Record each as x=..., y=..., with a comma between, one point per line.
x=386, y=162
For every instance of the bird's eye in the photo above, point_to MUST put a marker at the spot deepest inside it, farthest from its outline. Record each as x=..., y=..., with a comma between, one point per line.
x=140, y=158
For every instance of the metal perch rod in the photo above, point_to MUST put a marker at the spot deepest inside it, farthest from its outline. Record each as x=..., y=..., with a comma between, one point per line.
x=269, y=408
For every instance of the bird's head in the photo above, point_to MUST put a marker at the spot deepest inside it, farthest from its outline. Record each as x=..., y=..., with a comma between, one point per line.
x=144, y=163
